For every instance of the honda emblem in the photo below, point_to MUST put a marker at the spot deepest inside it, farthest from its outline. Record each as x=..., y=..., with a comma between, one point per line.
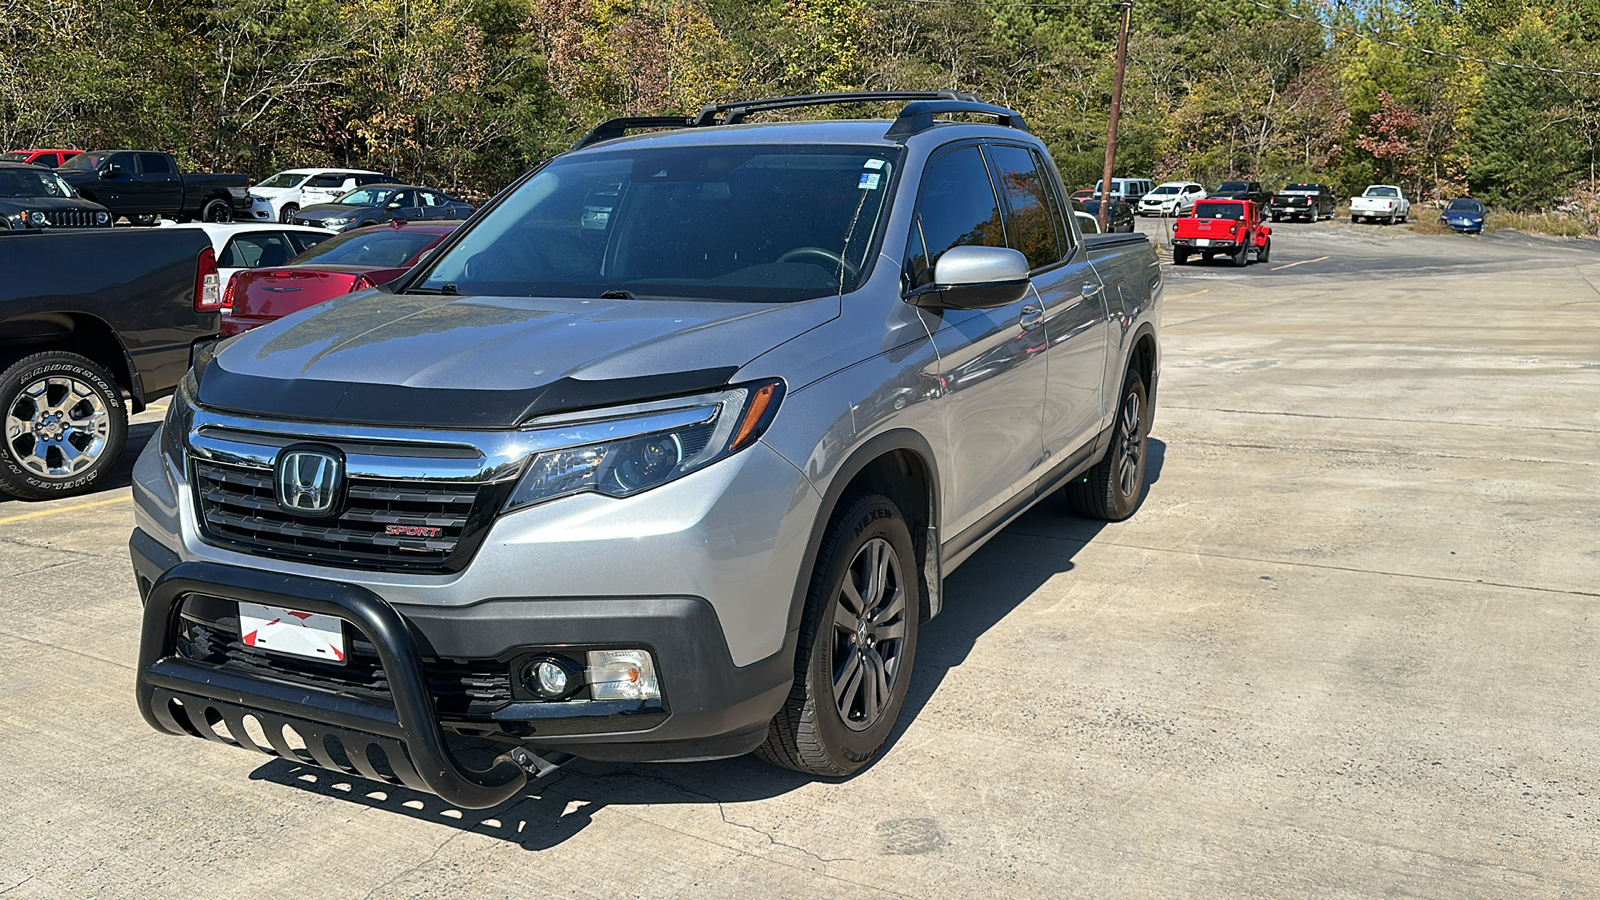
x=308, y=481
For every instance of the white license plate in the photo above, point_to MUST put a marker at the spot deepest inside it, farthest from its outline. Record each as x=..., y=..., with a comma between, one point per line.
x=292, y=632
x=1202, y=242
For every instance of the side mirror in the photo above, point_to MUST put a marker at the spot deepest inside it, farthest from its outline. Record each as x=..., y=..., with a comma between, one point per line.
x=970, y=277
x=394, y=204
x=111, y=170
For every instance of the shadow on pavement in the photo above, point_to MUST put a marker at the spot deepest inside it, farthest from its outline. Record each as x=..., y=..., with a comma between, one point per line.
x=984, y=591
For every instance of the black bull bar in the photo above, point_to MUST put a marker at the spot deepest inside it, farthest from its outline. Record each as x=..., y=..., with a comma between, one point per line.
x=183, y=696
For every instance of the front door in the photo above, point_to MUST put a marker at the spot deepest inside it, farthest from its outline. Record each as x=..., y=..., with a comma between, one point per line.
x=159, y=185
x=991, y=361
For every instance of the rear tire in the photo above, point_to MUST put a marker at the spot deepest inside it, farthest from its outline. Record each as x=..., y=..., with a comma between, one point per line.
x=216, y=210
x=62, y=425
x=1241, y=257
x=1113, y=488
x=858, y=640
x=1180, y=257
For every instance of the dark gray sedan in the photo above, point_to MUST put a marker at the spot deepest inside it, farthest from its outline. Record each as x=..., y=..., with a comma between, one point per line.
x=375, y=204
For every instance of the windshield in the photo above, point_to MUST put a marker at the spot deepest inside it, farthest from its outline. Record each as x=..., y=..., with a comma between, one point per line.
x=1233, y=211
x=1468, y=206
x=760, y=223
x=1382, y=192
x=284, y=180
x=365, y=197
x=32, y=183
x=1229, y=187
x=14, y=157
x=85, y=161
x=386, y=249
x=1166, y=189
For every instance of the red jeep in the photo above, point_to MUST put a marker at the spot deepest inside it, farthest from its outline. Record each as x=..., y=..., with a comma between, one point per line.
x=1230, y=228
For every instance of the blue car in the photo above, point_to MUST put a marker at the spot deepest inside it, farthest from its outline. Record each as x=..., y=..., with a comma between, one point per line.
x=1464, y=215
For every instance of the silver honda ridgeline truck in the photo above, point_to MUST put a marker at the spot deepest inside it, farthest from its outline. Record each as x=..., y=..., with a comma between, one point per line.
x=663, y=456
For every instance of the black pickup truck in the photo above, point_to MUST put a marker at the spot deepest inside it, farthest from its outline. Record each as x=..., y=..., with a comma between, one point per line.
x=91, y=322
x=145, y=185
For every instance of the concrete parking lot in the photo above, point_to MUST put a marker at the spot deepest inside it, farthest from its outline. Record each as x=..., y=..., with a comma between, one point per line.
x=1348, y=648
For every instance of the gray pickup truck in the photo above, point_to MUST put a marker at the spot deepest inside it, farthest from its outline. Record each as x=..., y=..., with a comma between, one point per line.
x=663, y=457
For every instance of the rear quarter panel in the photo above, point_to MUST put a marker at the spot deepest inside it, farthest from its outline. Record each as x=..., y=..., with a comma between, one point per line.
x=140, y=282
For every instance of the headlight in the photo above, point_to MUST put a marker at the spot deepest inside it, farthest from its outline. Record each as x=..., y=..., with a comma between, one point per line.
x=39, y=218
x=101, y=218
x=624, y=451
x=344, y=221
x=180, y=418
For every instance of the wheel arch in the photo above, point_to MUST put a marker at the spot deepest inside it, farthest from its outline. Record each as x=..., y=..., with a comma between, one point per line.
x=72, y=332
x=1144, y=357
x=901, y=465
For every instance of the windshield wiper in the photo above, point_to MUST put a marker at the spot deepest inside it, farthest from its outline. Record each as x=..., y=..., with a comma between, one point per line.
x=449, y=289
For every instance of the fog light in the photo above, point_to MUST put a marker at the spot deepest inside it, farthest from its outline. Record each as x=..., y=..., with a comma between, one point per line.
x=550, y=678
x=622, y=675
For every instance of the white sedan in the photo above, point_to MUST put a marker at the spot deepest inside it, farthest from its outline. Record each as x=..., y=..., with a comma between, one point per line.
x=284, y=194
x=246, y=245
x=1174, y=198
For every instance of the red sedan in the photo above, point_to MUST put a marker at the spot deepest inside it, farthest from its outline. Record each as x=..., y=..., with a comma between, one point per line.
x=353, y=261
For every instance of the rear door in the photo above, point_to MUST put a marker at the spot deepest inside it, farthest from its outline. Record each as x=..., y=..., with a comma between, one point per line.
x=1069, y=293
x=991, y=361
x=160, y=188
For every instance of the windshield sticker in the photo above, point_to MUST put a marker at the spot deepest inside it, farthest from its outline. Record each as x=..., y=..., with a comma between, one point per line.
x=872, y=164
x=868, y=182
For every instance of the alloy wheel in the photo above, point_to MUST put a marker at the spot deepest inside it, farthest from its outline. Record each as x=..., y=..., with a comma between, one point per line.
x=1131, y=450
x=57, y=426
x=869, y=624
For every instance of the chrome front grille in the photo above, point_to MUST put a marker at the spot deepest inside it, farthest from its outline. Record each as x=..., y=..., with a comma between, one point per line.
x=238, y=507
x=409, y=501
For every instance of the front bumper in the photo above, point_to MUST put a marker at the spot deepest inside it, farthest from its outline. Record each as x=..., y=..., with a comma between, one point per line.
x=1194, y=243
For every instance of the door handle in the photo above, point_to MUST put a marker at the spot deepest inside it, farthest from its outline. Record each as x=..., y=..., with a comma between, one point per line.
x=1032, y=317
x=1090, y=289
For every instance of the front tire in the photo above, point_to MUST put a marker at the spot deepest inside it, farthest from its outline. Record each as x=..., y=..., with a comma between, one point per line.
x=1113, y=488
x=1264, y=252
x=858, y=639
x=287, y=213
x=64, y=425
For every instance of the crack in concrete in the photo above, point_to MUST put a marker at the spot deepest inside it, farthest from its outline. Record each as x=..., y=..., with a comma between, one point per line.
x=431, y=856
x=1306, y=415
x=39, y=643
x=1308, y=565
x=17, y=885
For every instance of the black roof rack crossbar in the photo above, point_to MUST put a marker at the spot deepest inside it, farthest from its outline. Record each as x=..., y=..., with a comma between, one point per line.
x=615, y=128
x=739, y=110
x=915, y=118
x=918, y=117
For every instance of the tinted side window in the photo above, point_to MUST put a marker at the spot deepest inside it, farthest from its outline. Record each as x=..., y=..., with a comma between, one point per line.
x=155, y=164
x=125, y=160
x=247, y=251
x=956, y=206
x=363, y=180
x=325, y=181
x=305, y=240
x=1033, y=222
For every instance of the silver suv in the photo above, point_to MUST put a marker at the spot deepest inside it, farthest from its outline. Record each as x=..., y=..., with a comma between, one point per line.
x=663, y=456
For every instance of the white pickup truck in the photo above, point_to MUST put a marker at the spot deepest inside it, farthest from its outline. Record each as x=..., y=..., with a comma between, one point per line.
x=1380, y=202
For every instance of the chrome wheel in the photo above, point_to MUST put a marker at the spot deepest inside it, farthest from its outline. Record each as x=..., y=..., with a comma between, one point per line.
x=1130, y=453
x=57, y=426
x=869, y=624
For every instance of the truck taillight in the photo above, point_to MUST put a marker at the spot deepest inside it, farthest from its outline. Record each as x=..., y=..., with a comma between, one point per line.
x=207, y=283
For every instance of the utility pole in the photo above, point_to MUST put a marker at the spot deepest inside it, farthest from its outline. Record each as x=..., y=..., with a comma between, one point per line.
x=1116, y=112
